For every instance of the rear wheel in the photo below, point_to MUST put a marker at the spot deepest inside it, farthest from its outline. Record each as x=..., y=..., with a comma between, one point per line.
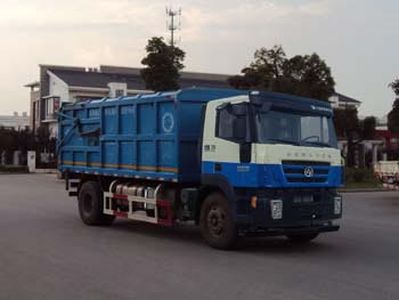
x=216, y=222
x=302, y=238
x=90, y=202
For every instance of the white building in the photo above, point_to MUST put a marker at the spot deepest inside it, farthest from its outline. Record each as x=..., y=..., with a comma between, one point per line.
x=59, y=84
x=339, y=101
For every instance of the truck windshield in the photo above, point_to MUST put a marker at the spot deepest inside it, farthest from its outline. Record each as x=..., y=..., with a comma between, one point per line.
x=295, y=128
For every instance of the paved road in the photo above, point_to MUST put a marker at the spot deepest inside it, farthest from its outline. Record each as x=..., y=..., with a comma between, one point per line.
x=47, y=253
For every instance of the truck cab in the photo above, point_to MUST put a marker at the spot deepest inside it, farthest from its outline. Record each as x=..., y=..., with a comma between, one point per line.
x=277, y=158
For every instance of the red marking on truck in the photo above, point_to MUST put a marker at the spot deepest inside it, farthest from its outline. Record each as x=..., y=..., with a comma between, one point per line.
x=121, y=214
x=118, y=196
x=167, y=206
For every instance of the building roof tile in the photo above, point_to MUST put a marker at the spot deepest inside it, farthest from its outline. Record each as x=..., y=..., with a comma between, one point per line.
x=100, y=78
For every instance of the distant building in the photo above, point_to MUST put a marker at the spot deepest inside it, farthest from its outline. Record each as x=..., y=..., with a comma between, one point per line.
x=34, y=120
x=339, y=101
x=382, y=123
x=16, y=121
x=59, y=84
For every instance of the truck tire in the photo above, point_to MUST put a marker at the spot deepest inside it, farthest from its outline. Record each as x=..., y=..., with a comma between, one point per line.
x=90, y=203
x=216, y=222
x=302, y=238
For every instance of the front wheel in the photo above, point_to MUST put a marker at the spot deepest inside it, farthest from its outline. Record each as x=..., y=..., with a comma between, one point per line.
x=90, y=202
x=302, y=238
x=216, y=222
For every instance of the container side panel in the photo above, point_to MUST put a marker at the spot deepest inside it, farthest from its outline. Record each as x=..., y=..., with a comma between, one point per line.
x=205, y=95
x=94, y=113
x=190, y=119
x=80, y=113
x=166, y=147
x=167, y=156
x=93, y=159
x=127, y=120
x=79, y=158
x=146, y=119
x=69, y=114
x=146, y=156
x=128, y=155
x=109, y=120
x=166, y=119
x=66, y=156
x=190, y=133
x=149, y=136
x=110, y=154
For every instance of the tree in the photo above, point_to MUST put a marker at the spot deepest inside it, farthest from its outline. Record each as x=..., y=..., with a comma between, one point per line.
x=163, y=63
x=393, y=116
x=367, y=126
x=394, y=85
x=346, y=123
x=267, y=66
x=42, y=139
x=347, y=126
x=354, y=131
x=271, y=70
x=13, y=140
x=7, y=144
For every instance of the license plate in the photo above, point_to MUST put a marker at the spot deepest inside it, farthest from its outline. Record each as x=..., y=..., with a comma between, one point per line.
x=303, y=199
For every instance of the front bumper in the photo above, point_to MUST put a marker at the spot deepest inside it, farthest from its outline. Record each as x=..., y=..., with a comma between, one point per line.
x=276, y=231
x=297, y=217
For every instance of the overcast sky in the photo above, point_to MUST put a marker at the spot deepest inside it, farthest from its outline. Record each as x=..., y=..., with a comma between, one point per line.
x=358, y=39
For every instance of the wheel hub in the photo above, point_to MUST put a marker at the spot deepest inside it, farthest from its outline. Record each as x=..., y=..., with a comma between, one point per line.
x=216, y=220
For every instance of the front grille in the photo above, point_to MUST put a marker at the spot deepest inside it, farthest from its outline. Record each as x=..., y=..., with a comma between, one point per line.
x=316, y=171
x=294, y=171
x=305, y=180
x=306, y=163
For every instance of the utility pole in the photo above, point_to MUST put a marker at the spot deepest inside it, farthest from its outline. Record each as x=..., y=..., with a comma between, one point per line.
x=174, y=23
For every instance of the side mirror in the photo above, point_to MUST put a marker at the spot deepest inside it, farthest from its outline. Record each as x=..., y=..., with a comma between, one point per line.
x=239, y=129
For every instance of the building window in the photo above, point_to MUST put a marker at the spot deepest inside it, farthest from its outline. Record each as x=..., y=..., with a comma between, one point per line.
x=51, y=106
x=119, y=93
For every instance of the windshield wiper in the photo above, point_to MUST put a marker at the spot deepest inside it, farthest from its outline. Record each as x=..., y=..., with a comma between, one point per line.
x=319, y=144
x=284, y=141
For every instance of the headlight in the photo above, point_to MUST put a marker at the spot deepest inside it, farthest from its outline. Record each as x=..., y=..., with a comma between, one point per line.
x=276, y=208
x=337, y=205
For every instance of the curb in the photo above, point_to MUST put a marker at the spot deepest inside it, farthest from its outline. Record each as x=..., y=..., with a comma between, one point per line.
x=364, y=190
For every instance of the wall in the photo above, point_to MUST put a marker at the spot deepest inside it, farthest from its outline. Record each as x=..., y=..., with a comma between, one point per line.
x=34, y=121
x=117, y=89
x=59, y=88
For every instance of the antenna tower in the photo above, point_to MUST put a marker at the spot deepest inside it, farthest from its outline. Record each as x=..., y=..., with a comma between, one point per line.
x=173, y=23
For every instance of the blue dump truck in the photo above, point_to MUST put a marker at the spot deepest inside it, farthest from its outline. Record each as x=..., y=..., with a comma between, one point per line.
x=234, y=162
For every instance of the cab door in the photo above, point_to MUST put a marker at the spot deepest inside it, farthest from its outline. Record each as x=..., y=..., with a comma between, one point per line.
x=227, y=148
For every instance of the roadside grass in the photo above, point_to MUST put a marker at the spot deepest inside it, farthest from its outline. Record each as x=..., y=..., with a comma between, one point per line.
x=360, y=178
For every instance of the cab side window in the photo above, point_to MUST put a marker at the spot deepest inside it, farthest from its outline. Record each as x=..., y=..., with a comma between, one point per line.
x=225, y=120
x=231, y=122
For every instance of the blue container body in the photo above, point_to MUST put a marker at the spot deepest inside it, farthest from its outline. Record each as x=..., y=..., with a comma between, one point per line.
x=153, y=136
